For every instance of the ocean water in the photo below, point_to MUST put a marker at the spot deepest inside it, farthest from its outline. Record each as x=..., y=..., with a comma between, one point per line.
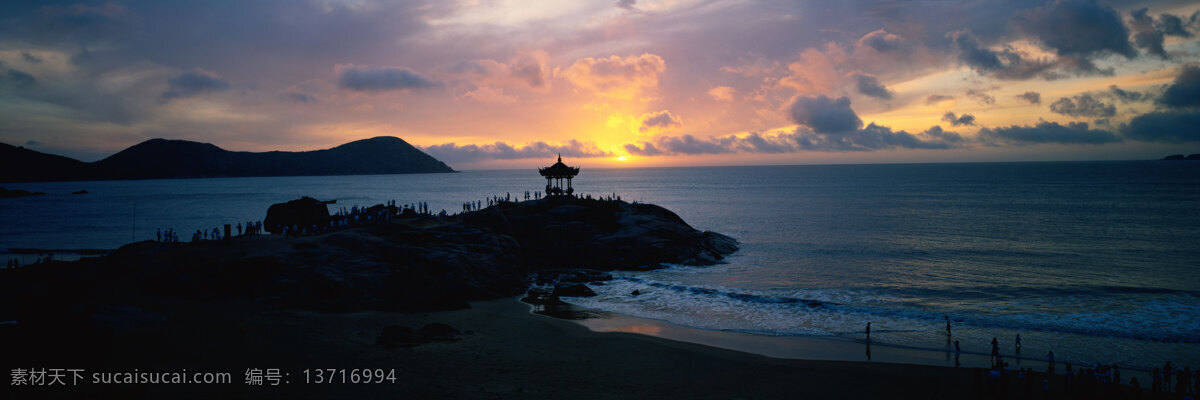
x=1099, y=261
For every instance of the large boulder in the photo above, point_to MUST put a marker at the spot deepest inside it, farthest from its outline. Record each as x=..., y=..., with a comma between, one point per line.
x=304, y=212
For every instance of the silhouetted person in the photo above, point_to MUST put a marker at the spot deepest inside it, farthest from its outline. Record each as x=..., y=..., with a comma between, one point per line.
x=995, y=350
x=1168, y=370
x=1182, y=380
x=1156, y=385
x=1017, y=344
x=957, y=350
x=947, y=317
x=868, y=331
x=1050, y=362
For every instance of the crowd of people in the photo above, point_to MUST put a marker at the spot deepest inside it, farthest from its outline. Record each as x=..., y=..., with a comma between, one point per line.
x=1099, y=381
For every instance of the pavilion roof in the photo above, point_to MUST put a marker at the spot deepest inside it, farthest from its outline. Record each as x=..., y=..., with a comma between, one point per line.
x=559, y=170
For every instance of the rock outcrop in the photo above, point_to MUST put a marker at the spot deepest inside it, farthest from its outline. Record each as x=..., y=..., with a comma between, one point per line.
x=303, y=212
x=408, y=263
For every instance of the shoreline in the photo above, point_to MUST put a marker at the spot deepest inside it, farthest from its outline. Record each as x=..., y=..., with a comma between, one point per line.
x=803, y=347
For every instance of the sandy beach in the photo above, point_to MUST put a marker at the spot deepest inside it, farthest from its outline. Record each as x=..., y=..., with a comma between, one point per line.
x=503, y=351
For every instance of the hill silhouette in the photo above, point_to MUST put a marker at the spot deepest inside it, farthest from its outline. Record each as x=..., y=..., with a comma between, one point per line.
x=162, y=158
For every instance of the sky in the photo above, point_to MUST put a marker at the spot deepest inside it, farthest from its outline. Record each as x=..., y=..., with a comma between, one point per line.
x=486, y=84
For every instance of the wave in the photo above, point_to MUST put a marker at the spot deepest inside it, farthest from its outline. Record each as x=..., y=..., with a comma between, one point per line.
x=1163, y=316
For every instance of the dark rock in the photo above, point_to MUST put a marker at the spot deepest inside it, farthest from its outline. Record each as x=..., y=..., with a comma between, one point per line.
x=82, y=191
x=303, y=212
x=394, y=336
x=1174, y=157
x=636, y=292
x=7, y=193
x=439, y=332
x=572, y=289
x=540, y=296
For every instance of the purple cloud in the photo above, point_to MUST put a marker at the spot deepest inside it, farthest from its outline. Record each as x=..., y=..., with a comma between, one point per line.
x=661, y=119
x=1046, y=132
x=870, y=86
x=367, y=79
x=825, y=115
x=451, y=152
x=954, y=120
x=1030, y=97
x=193, y=83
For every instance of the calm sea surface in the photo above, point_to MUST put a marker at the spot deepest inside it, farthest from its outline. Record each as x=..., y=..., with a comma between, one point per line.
x=1098, y=261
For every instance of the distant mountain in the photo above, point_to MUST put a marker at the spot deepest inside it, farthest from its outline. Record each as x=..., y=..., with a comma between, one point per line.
x=18, y=164
x=1180, y=157
x=162, y=158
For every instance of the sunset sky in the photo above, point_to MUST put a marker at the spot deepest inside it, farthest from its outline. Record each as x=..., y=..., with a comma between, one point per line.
x=509, y=84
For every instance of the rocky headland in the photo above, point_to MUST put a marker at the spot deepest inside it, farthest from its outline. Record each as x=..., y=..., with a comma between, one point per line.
x=409, y=262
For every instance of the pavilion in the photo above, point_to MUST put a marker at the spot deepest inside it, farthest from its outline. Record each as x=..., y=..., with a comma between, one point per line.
x=554, y=178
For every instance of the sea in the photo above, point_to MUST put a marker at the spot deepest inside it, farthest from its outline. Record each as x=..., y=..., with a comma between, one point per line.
x=1097, y=261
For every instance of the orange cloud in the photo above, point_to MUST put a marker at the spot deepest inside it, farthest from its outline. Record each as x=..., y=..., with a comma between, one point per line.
x=815, y=73
x=617, y=77
x=722, y=93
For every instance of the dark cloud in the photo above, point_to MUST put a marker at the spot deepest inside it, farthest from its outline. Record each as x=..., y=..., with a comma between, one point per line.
x=688, y=144
x=78, y=23
x=1171, y=25
x=1145, y=35
x=1185, y=90
x=1046, y=132
x=1031, y=97
x=825, y=115
x=192, y=83
x=1127, y=96
x=299, y=97
x=451, y=152
x=366, y=79
x=935, y=98
x=870, y=86
x=660, y=119
x=1084, y=105
x=647, y=149
x=981, y=97
x=30, y=58
x=17, y=78
x=1164, y=126
x=876, y=137
x=1077, y=30
x=627, y=4
x=1006, y=63
x=33, y=143
x=954, y=120
x=881, y=41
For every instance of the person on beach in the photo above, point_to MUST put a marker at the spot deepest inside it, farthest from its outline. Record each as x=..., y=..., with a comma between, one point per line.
x=995, y=350
x=1156, y=385
x=1182, y=380
x=1050, y=362
x=1168, y=370
x=1017, y=345
x=947, y=317
x=868, y=331
x=956, y=353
